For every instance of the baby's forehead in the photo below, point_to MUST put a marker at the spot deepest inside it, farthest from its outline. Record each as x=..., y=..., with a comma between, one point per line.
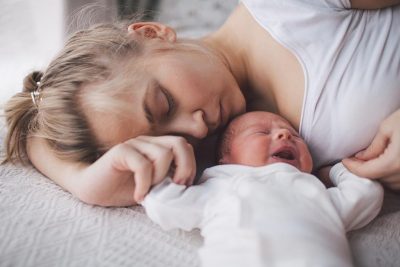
x=265, y=120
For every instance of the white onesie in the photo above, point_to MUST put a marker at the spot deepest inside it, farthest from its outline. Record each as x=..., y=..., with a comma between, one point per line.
x=351, y=64
x=273, y=215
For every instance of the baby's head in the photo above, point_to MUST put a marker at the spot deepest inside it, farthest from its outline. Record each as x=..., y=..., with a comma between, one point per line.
x=262, y=138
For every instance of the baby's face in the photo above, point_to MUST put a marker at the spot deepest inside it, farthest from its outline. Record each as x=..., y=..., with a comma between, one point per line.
x=263, y=138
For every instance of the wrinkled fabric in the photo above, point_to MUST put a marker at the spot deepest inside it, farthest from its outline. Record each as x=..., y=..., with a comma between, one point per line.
x=268, y=216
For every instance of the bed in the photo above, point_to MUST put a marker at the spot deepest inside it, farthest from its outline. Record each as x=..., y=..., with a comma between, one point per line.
x=43, y=225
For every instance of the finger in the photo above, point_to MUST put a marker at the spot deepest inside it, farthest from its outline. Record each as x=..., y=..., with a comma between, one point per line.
x=378, y=145
x=143, y=181
x=184, y=162
x=127, y=158
x=375, y=168
x=183, y=157
x=160, y=156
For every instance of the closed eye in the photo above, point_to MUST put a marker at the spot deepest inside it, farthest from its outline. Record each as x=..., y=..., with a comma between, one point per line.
x=264, y=132
x=170, y=100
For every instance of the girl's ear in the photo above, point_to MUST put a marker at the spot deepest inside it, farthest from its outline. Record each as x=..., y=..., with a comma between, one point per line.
x=153, y=30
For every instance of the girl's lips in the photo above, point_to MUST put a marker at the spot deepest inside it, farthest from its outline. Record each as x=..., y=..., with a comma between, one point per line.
x=219, y=122
x=222, y=121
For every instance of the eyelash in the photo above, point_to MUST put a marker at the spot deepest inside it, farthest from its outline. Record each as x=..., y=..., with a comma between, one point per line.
x=170, y=100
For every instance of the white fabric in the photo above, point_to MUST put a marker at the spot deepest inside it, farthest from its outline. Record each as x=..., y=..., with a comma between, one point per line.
x=351, y=64
x=273, y=215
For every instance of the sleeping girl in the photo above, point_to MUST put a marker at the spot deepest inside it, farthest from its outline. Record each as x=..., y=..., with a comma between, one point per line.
x=262, y=207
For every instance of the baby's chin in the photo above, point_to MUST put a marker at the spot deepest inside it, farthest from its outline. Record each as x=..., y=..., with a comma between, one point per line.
x=294, y=162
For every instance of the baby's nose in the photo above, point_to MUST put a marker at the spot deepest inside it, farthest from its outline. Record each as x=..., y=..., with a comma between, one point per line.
x=284, y=134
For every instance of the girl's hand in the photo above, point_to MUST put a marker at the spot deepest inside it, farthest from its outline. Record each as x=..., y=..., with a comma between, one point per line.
x=381, y=160
x=124, y=174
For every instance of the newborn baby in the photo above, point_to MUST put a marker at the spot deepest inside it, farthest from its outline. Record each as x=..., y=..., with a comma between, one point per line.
x=262, y=207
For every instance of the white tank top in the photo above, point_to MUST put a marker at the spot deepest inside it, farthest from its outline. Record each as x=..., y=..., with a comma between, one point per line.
x=351, y=64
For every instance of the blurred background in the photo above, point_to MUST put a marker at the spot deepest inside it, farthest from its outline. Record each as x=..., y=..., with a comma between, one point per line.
x=33, y=31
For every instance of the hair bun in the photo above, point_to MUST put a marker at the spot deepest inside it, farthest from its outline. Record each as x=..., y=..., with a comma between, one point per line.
x=31, y=81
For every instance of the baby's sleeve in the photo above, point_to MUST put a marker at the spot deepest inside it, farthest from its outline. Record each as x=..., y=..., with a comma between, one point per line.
x=174, y=206
x=358, y=200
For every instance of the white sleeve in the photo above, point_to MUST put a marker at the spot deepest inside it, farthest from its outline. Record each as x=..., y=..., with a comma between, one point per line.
x=358, y=200
x=333, y=4
x=174, y=206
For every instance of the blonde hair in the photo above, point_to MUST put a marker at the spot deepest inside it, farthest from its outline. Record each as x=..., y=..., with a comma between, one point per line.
x=58, y=117
x=89, y=66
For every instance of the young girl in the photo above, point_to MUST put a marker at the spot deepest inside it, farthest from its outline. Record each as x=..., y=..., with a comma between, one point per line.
x=121, y=104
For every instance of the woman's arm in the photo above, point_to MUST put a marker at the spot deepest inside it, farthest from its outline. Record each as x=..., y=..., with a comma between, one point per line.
x=124, y=174
x=381, y=160
x=373, y=4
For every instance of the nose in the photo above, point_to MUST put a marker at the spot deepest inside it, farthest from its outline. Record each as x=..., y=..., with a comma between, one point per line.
x=199, y=128
x=283, y=134
x=190, y=124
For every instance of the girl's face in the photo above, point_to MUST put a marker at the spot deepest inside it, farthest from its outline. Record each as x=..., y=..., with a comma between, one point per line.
x=184, y=93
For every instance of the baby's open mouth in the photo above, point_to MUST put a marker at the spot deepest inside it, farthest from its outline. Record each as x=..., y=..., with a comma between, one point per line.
x=285, y=154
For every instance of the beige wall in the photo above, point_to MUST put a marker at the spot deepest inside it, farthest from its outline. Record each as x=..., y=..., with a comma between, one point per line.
x=32, y=32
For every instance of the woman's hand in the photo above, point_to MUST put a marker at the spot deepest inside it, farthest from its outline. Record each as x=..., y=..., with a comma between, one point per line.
x=381, y=160
x=124, y=174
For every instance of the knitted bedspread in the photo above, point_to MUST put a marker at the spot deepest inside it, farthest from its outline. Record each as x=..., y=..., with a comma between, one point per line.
x=43, y=225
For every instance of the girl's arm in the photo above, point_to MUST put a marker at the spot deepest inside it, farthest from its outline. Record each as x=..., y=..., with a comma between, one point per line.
x=373, y=4
x=381, y=160
x=124, y=174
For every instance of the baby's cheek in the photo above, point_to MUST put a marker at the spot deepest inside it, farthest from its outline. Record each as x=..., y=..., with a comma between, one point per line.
x=305, y=158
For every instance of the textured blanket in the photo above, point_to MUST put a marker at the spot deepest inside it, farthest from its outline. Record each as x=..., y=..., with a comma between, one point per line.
x=43, y=225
